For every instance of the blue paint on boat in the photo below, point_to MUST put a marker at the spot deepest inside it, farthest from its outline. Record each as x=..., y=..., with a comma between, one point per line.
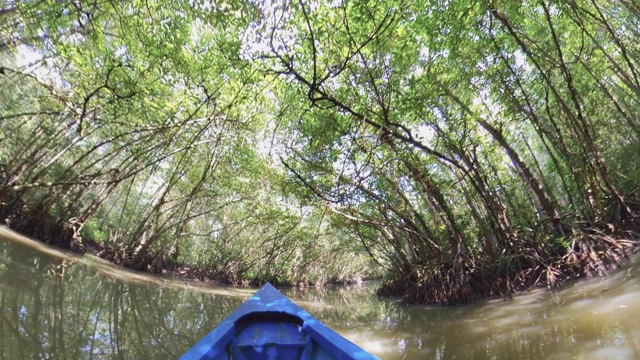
x=269, y=326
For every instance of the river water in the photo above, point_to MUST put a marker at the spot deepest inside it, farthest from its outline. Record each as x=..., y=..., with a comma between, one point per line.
x=55, y=306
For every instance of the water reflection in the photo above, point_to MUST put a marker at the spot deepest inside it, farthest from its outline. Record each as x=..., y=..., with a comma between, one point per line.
x=595, y=319
x=592, y=320
x=55, y=310
x=60, y=308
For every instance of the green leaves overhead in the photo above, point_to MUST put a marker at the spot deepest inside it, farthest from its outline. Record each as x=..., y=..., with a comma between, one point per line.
x=457, y=130
x=443, y=137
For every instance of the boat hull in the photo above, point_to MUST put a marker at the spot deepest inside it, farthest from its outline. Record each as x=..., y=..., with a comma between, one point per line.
x=269, y=326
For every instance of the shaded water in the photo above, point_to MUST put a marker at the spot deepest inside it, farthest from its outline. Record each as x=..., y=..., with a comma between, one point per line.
x=55, y=307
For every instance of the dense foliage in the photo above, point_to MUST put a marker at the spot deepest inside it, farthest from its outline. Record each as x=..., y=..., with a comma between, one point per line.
x=467, y=148
x=139, y=126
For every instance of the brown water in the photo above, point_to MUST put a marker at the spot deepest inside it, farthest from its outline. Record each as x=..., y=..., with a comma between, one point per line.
x=56, y=307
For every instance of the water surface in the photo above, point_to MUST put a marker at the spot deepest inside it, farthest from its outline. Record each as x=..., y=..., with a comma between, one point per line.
x=55, y=306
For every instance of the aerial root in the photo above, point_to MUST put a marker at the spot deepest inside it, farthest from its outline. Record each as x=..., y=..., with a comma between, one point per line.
x=591, y=253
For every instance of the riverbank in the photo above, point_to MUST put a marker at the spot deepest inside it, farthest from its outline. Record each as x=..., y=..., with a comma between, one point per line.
x=589, y=253
x=95, y=252
x=592, y=254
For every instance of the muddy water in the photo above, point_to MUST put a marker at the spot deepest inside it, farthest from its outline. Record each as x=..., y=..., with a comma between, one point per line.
x=55, y=306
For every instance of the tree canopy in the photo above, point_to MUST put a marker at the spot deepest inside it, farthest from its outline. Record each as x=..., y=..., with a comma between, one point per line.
x=464, y=148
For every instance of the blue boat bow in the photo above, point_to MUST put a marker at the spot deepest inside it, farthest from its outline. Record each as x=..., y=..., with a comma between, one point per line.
x=269, y=326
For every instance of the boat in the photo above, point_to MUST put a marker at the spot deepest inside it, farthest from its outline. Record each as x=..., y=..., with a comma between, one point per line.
x=269, y=326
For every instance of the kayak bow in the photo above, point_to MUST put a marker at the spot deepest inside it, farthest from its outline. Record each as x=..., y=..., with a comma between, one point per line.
x=269, y=326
